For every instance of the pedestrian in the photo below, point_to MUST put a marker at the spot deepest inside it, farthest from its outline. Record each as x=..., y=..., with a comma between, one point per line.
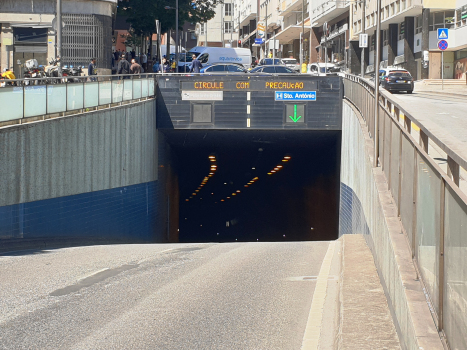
x=144, y=61
x=270, y=54
x=195, y=65
x=133, y=54
x=92, y=69
x=156, y=67
x=135, y=67
x=128, y=56
x=165, y=67
x=123, y=67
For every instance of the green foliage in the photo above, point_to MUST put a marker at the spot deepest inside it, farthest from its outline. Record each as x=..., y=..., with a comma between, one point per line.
x=142, y=14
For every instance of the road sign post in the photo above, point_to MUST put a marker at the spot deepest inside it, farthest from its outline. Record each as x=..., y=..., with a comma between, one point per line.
x=442, y=45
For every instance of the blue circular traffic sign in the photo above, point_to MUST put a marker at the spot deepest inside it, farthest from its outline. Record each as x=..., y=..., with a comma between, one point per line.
x=442, y=45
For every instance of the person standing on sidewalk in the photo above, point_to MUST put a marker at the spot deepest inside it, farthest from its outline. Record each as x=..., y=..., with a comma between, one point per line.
x=123, y=67
x=195, y=65
x=92, y=69
x=135, y=67
x=144, y=61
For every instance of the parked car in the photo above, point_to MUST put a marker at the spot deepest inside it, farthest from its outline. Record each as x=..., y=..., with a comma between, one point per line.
x=320, y=69
x=280, y=69
x=396, y=79
x=219, y=68
x=270, y=61
x=291, y=63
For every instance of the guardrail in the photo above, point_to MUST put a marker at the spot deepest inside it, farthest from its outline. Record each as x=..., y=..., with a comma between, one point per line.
x=45, y=96
x=431, y=206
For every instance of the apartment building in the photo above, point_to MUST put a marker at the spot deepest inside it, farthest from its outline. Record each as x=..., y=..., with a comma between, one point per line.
x=245, y=13
x=409, y=36
x=27, y=31
x=220, y=30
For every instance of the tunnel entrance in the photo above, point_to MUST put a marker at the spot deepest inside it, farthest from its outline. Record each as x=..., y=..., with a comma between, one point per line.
x=245, y=185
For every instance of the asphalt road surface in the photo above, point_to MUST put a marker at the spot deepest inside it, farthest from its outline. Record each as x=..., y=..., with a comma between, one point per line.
x=187, y=296
x=447, y=112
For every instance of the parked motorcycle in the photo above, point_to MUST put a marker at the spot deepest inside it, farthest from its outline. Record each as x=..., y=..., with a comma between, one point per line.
x=72, y=73
x=51, y=71
x=32, y=71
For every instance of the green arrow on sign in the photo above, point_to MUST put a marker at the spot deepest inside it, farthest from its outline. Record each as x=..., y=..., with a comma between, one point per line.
x=295, y=118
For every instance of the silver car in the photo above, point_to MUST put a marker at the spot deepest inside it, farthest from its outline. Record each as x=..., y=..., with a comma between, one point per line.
x=291, y=63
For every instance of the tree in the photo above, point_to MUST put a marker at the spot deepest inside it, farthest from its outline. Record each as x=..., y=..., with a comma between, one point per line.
x=143, y=13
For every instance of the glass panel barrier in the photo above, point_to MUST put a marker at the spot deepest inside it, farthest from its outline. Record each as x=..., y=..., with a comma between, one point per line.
x=11, y=102
x=136, y=88
x=56, y=98
x=407, y=184
x=117, y=91
x=455, y=267
x=428, y=226
x=91, y=94
x=105, y=92
x=127, y=90
x=35, y=101
x=144, y=87
x=75, y=96
x=395, y=161
x=152, y=89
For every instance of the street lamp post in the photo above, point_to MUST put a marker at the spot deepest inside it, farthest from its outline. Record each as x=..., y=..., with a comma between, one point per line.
x=176, y=32
x=376, y=65
x=362, y=58
x=176, y=36
x=302, y=40
x=59, y=35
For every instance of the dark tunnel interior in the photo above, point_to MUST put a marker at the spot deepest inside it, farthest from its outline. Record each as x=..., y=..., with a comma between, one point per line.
x=256, y=185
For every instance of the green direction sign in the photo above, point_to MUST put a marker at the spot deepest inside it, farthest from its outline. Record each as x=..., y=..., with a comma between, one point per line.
x=295, y=113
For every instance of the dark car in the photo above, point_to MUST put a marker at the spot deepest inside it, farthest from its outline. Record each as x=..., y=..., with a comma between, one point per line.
x=280, y=69
x=396, y=80
x=270, y=61
x=220, y=68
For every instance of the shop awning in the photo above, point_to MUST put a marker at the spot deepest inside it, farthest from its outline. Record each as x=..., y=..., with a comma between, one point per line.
x=290, y=33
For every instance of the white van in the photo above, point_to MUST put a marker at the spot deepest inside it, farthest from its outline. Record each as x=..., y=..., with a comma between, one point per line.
x=185, y=61
x=237, y=55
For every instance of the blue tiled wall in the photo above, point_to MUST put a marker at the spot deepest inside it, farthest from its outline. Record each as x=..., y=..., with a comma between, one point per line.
x=120, y=213
x=352, y=218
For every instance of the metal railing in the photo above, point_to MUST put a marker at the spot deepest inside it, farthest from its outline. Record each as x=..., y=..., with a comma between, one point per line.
x=32, y=98
x=431, y=206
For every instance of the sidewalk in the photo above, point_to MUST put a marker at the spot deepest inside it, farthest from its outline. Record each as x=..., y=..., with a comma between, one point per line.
x=366, y=321
x=451, y=90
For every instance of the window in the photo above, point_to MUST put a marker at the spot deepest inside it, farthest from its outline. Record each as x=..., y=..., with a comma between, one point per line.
x=385, y=37
x=204, y=58
x=234, y=69
x=219, y=68
x=228, y=27
x=461, y=16
x=202, y=29
x=418, y=24
x=280, y=69
x=269, y=70
x=227, y=9
x=401, y=30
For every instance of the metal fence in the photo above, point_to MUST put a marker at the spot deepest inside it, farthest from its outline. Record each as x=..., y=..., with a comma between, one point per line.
x=86, y=37
x=431, y=206
x=71, y=94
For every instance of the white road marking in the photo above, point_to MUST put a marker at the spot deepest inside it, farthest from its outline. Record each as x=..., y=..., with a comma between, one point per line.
x=313, y=326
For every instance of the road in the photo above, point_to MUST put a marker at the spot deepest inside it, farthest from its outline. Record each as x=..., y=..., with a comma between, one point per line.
x=187, y=296
x=447, y=112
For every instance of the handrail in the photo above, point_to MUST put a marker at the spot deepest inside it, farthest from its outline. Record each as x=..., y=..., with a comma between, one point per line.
x=40, y=97
x=426, y=134
x=432, y=212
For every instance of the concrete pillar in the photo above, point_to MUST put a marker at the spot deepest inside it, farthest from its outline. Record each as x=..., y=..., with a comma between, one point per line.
x=409, y=56
x=381, y=50
x=425, y=40
x=392, y=42
x=314, y=42
x=7, y=41
x=355, y=58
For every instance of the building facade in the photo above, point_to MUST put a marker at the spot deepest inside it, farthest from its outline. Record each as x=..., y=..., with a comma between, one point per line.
x=220, y=30
x=27, y=31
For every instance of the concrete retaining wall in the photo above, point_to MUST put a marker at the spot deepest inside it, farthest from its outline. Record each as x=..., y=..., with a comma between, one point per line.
x=86, y=175
x=367, y=208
